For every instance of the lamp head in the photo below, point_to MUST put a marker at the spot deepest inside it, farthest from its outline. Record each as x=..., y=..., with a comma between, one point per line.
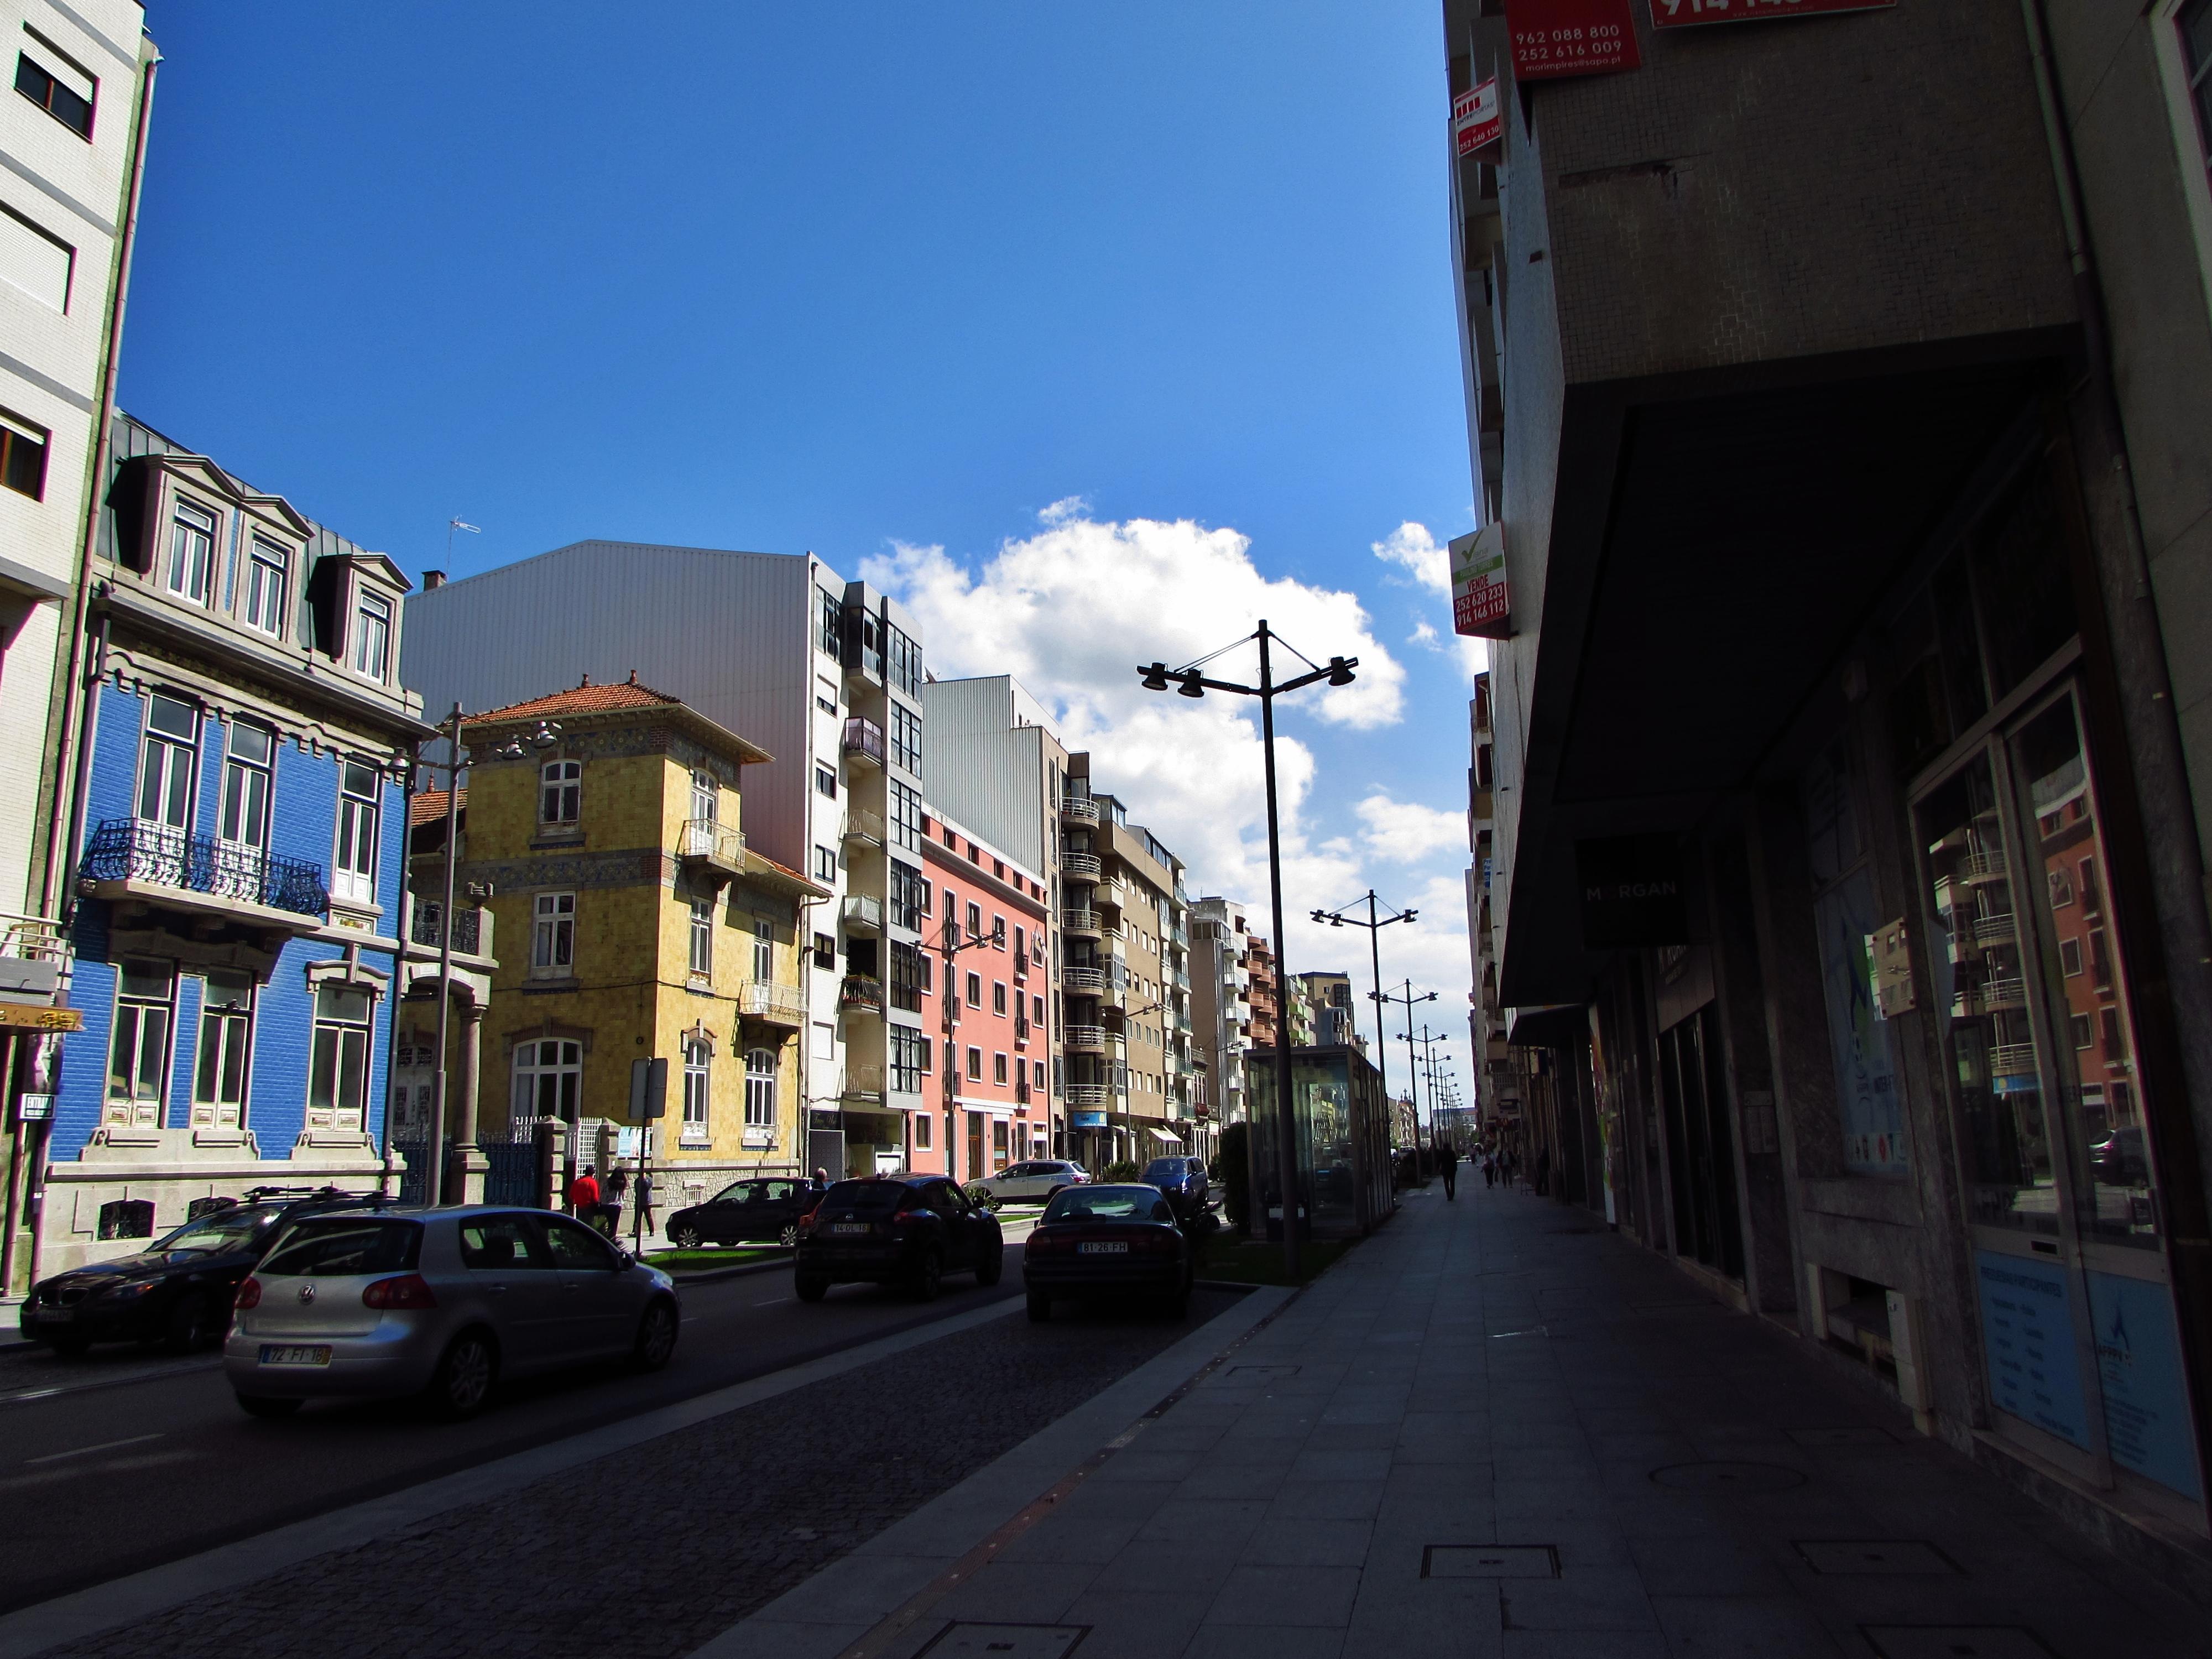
x=1409, y=915
x=511, y=750
x=1155, y=677
x=1194, y=685
x=548, y=734
x=1340, y=669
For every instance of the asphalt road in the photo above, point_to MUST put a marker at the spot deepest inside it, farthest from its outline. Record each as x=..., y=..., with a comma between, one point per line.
x=120, y=1461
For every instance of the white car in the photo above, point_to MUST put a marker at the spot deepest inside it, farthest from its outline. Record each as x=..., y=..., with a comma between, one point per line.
x=1033, y=1181
x=439, y=1303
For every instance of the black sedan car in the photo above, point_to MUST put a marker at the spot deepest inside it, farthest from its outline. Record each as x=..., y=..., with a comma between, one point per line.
x=896, y=1229
x=1184, y=1181
x=746, y=1212
x=1109, y=1240
x=178, y=1290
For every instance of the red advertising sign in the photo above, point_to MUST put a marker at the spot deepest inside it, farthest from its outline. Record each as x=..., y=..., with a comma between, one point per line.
x=1556, y=38
x=1476, y=124
x=1676, y=14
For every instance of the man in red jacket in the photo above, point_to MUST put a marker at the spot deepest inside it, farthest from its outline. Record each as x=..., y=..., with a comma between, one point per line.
x=584, y=1194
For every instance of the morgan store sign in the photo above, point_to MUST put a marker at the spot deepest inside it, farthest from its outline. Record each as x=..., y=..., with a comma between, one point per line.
x=1556, y=38
x=1632, y=895
x=1676, y=14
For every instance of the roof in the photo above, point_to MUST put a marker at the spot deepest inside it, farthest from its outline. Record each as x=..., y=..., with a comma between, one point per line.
x=585, y=699
x=430, y=805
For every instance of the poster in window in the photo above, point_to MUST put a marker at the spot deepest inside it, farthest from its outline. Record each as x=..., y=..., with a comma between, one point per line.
x=1867, y=1104
x=2028, y=1329
x=2139, y=1372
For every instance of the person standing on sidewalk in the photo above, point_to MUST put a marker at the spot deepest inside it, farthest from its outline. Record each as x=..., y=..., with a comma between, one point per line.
x=584, y=1194
x=643, y=1187
x=1448, y=1165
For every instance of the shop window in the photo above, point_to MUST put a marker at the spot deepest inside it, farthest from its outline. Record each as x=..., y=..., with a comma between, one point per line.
x=127, y=1218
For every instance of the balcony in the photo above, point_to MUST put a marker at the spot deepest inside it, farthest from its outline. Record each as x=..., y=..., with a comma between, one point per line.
x=1022, y=1088
x=1084, y=981
x=1080, y=866
x=1083, y=923
x=860, y=992
x=864, y=827
x=863, y=913
x=1021, y=1029
x=1084, y=1039
x=1078, y=809
x=471, y=928
x=864, y=1084
x=864, y=741
x=135, y=853
x=708, y=849
x=1089, y=1097
x=779, y=1005
x=34, y=956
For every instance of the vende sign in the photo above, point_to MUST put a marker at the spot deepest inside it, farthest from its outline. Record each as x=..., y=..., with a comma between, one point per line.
x=1676, y=14
x=1556, y=38
x=1481, y=604
x=1476, y=124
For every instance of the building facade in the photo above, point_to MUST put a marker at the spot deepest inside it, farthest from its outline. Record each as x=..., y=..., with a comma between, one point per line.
x=238, y=885
x=1326, y=996
x=1846, y=892
x=1265, y=992
x=826, y=676
x=1221, y=1004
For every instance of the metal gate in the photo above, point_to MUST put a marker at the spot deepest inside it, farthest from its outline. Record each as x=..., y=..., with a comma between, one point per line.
x=516, y=1174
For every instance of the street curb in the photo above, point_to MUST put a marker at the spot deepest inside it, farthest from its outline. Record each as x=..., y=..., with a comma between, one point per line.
x=716, y=1275
x=91, y=1612
x=898, y=1573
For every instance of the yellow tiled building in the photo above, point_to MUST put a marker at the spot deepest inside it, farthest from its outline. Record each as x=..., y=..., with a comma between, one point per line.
x=634, y=923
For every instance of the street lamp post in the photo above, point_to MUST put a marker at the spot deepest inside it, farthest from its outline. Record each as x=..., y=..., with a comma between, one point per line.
x=1407, y=1000
x=1193, y=682
x=1374, y=926
x=1426, y=1064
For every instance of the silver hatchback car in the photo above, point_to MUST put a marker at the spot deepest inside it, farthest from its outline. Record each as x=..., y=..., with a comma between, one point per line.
x=439, y=1303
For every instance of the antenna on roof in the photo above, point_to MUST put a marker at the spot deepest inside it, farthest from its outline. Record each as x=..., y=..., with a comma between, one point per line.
x=452, y=525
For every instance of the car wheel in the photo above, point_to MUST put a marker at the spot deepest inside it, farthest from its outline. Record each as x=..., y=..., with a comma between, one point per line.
x=656, y=1337
x=192, y=1326
x=1040, y=1309
x=261, y=1405
x=928, y=1277
x=789, y=1236
x=991, y=1268
x=463, y=1381
x=685, y=1237
x=810, y=1288
x=70, y=1347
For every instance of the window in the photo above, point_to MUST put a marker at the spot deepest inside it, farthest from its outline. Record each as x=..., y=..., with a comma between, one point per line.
x=702, y=939
x=825, y=864
x=698, y=1061
x=975, y=990
x=355, y=864
x=830, y=636
x=1021, y=947
x=23, y=459
x=909, y=1060
x=998, y=933
x=2090, y=900
x=2116, y=1041
x=999, y=1141
x=906, y=978
x=825, y=782
x=268, y=574
x=763, y=949
x=548, y=1080
x=226, y=1049
x=906, y=737
x=165, y=773
x=909, y=896
x=1036, y=1011
x=825, y=951
x=706, y=798
x=974, y=920
x=2069, y=957
x=920, y=1121
x=902, y=661
x=1040, y=1074
x=997, y=1068
x=975, y=1065
x=998, y=997
x=2085, y=1030
x=553, y=941
x=66, y=92
x=760, y=1089
x=372, y=638
x=192, y=552
x=337, y=1071
x=906, y=815
x=560, y=791
x=825, y=696
x=245, y=786
x=2062, y=886
x=138, y=1061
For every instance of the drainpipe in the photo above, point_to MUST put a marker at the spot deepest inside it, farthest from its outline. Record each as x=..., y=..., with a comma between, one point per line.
x=399, y=962
x=2154, y=735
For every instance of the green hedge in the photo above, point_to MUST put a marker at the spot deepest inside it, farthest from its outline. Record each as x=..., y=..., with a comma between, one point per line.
x=1234, y=1167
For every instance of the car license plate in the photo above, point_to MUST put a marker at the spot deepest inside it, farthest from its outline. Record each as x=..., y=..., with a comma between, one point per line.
x=53, y=1315
x=273, y=1355
x=1102, y=1249
x=852, y=1227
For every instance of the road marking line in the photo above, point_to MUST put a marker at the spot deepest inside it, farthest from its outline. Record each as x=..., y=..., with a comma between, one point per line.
x=87, y=1383
x=87, y=1451
x=776, y=1302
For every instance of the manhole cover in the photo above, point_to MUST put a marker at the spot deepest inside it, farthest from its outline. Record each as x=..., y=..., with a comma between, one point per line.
x=1839, y=1556
x=1955, y=1642
x=1490, y=1561
x=1727, y=1477
x=1006, y=1641
x=1857, y=1434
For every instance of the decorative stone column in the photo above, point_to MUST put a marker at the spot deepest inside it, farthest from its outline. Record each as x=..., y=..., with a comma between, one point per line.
x=470, y=1163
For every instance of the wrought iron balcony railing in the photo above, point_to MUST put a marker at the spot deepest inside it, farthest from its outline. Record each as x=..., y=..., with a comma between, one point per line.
x=133, y=849
x=858, y=991
x=468, y=928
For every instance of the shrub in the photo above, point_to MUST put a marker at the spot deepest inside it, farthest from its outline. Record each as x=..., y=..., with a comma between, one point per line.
x=1122, y=1169
x=1234, y=1166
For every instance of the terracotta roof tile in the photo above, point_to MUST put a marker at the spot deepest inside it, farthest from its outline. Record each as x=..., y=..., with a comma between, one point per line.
x=585, y=699
x=430, y=805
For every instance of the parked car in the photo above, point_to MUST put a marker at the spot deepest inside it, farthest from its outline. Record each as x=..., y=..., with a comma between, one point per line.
x=1038, y=1180
x=745, y=1212
x=2119, y=1159
x=897, y=1230
x=441, y=1304
x=1184, y=1180
x=1109, y=1240
x=178, y=1290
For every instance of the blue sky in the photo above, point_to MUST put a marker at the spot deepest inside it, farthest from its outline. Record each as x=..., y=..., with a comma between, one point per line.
x=869, y=280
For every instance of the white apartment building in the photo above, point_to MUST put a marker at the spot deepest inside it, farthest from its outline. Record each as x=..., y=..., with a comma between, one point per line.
x=824, y=674
x=1221, y=1001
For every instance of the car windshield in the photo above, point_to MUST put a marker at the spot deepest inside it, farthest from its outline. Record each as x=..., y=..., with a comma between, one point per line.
x=737, y=1192
x=865, y=1195
x=340, y=1247
x=1108, y=1204
x=1163, y=1169
x=234, y=1228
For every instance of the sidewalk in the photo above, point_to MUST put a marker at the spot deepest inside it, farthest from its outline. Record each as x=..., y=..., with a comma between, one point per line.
x=1495, y=1429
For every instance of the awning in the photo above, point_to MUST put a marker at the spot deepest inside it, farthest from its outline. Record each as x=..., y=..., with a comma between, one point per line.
x=1162, y=1134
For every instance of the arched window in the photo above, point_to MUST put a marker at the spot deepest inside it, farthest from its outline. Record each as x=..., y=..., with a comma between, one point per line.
x=560, y=791
x=549, y=1079
x=760, y=1089
x=698, y=1061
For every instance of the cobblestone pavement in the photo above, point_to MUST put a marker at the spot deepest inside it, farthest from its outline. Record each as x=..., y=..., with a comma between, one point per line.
x=653, y=1552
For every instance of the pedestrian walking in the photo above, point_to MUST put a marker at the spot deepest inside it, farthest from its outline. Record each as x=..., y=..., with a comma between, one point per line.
x=584, y=1202
x=610, y=1203
x=643, y=1187
x=1543, y=1172
x=1448, y=1164
x=1489, y=1169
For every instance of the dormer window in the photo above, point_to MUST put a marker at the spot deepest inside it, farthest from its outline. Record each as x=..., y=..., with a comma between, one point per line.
x=192, y=551
x=560, y=791
x=372, y=636
x=268, y=583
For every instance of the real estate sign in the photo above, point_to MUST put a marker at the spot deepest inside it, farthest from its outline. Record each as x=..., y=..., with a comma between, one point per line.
x=1675, y=14
x=1476, y=124
x=1480, y=603
x=1556, y=38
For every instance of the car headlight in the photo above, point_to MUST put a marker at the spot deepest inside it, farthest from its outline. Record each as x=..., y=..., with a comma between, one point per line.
x=133, y=1287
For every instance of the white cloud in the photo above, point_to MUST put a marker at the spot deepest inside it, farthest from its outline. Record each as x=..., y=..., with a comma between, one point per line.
x=1066, y=507
x=1405, y=832
x=1411, y=547
x=1426, y=635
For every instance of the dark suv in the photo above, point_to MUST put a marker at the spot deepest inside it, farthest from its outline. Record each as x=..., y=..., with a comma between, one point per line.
x=1184, y=1180
x=746, y=1212
x=178, y=1290
x=897, y=1230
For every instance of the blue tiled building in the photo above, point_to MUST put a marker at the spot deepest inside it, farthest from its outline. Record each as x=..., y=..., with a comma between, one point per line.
x=239, y=879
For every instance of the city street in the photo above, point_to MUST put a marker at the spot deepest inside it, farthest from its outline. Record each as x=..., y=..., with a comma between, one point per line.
x=133, y=1460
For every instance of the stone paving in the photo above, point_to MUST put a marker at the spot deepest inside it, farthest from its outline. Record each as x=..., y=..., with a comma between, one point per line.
x=1498, y=1429
x=653, y=1552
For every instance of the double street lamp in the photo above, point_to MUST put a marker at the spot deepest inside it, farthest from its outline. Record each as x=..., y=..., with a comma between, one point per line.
x=1409, y=1001
x=1374, y=925
x=949, y=946
x=1191, y=681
